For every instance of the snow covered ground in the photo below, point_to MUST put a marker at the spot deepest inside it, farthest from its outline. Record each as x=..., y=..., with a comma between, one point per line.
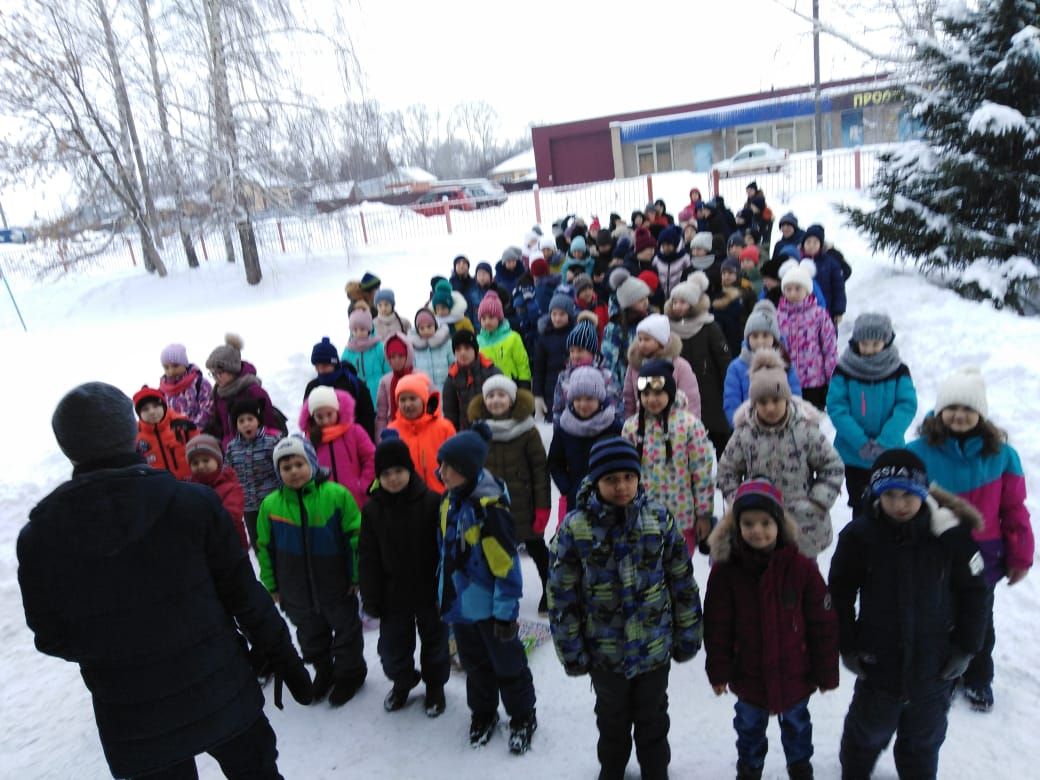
x=112, y=328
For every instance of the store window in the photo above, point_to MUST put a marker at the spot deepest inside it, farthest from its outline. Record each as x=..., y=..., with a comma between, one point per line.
x=664, y=156
x=803, y=136
x=645, y=158
x=785, y=136
x=654, y=157
x=745, y=136
x=764, y=134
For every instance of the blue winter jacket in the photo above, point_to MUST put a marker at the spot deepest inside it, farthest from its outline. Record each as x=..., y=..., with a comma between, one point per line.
x=735, y=388
x=544, y=288
x=831, y=282
x=550, y=358
x=861, y=410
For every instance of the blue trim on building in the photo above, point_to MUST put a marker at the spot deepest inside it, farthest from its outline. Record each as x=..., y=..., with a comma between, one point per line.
x=715, y=119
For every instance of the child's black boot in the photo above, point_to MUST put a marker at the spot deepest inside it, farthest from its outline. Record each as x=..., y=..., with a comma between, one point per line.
x=521, y=729
x=800, y=770
x=398, y=696
x=434, y=703
x=482, y=728
x=745, y=772
x=343, y=689
x=322, y=678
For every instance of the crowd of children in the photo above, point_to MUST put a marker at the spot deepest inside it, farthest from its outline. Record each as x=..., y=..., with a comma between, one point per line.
x=669, y=364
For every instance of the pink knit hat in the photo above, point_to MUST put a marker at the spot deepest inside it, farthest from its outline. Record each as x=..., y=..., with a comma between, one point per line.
x=491, y=306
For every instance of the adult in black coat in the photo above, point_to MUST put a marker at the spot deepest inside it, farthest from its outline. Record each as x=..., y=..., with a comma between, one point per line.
x=342, y=376
x=140, y=579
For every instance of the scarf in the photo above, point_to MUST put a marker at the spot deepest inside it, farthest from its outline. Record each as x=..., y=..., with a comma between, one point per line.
x=590, y=426
x=704, y=262
x=237, y=385
x=178, y=386
x=332, y=432
x=509, y=429
x=873, y=368
x=687, y=328
x=362, y=345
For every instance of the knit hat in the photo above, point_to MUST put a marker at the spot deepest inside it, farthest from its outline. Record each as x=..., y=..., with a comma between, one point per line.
x=295, y=444
x=459, y=258
x=661, y=368
x=604, y=238
x=586, y=381
x=644, y=240
x=611, y=455
x=547, y=242
x=204, y=444
x=581, y=282
x=650, y=279
x=145, y=394
x=768, y=377
x=731, y=265
x=499, y=382
x=425, y=317
x=966, y=387
x=362, y=319
x=693, y=289
x=771, y=268
x=617, y=277
x=324, y=352
x=392, y=452
x=491, y=306
x=395, y=345
x=322, y=397
x=813, y=231
x=562, y=300
x=539, y=267
x=631, y=291
x=578, y=245
x=763, y=320
x=385, y=294
x=798, y=273
x=789, y=219
x=759, y=493
x=174, y=355
x=464, y=338
x=656, y=327
x=418, y=384
x=253, y=406
x=370, y=282
x=899, y=469
x=749, y=253
x=873, y=326
x=670, y=235
x=228, y=356
x=511, y=253
x=94, y=421
x=702, y=240
x=466, y=452
x=484, y=266
x=735, y=239
x=584, y=335
x=442, y=294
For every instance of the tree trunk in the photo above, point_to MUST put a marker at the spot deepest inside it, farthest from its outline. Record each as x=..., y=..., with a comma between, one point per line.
x=250, y=254
x=164, y=125
x=229, y=240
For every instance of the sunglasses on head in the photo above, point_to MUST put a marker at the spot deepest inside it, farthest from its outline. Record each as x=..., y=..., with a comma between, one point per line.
x=651, y=383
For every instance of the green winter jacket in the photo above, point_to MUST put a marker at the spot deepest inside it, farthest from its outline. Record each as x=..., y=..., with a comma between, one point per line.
x=505, y=349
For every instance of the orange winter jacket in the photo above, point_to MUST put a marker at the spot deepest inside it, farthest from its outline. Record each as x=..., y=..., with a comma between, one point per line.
x=424, y=437
x=162, y=444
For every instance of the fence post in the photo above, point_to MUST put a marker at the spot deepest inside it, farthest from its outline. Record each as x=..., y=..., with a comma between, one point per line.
x=447, y=215
x=649, y=188
x=133, y=257
x=202, y=241
x=715, y=183
x=281, y=238
x=537, y=205
x=364, y=228
x=859, y=182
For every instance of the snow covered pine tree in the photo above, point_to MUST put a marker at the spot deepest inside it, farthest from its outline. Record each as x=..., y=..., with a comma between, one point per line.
x=963, y=201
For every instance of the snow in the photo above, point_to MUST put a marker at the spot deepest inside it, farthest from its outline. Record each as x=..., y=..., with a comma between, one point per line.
x=518, y=162
x=112, y=327
x=997, y=119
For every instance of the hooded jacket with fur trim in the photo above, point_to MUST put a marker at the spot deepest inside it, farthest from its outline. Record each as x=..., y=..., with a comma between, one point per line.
x=424, y=436
x=345, y=449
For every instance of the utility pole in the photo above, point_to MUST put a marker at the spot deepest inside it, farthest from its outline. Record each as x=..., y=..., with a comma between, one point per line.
x=818, y=125
x=3, y=216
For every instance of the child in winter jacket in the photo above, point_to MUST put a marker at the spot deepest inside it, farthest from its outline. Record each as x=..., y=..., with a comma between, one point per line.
x=731, y=306
x=871, y=400
x=207, y=468
x=397, y=558
x=419, y=423
x=622, y=605
x=778, y=437
x=809, y=332
x=750, y=276
x=450, y=306
x=545, y=283
x=675, y=451
x=829, y=272
x=967, y=454
x=307, y=537
x=770, y=632
x=587, y=299
x=479, y=590
x=516, y=456
x=185, y=387
x=583, y=350
x=633, y=297
x=526, y=311
x=498, y=342
x=236, y=380
x=401, y=358
x=672, y=263
x=465, y=378
x=550, y=354
x=342, y=446
x=387, y=321
x=761, y=331
x=249, y=454
x=162, y=433
x=431, y=344
x=331, y=372
x=923, y=603
x=364, y=351
x=655, y=341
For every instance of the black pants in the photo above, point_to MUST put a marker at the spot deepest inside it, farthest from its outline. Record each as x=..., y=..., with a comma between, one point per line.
x=857, y=481
x=333, y=633
x=249, y=756
x=493, y=668
x=980, y=670
x=539, y=553
x=397, y=647
x=624, y=706
x=250, y=516
x=874, y=716
x=817, y=396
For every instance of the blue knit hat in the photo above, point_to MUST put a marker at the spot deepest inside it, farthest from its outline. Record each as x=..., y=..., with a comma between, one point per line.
x=370, y=282
x=735, y=239
x=484, y=266
x=385, y=294
x=899, y=469
x=609, y=456
x=295, y=444
x=789, y=219
x=466, y=452
x=584, y=335
x=324, y=352
x=563, y=301
x=442, y=294
x=586, y=382
x=814, y=231
x=670, y=235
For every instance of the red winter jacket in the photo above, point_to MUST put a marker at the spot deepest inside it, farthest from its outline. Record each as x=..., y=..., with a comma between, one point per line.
x=229, y=489
x=162, y=444
x=772, y=634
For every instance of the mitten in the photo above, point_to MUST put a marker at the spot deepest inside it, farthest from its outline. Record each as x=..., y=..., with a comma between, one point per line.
x=541, y=520
x=853, y=664
x=870, y=451
x=506, y=630
x=956, y=665
x=294, y=674
x=540, y=409
x=575, y=670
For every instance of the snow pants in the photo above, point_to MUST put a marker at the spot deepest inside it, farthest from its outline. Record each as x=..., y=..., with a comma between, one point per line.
x=750, y=723
x=980, y=670
x=397, y=647
x=494, y=668
x=625, y=706
x=333, y=633
x=249, y=756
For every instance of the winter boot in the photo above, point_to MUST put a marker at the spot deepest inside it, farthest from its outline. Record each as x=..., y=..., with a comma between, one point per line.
x=800, y=770
x=745, y=772
x=482, y=728
x=434, y=703
x=343, y=689
x=322, y=678
x=521, y=729
x=980, y=697
x=398, y=695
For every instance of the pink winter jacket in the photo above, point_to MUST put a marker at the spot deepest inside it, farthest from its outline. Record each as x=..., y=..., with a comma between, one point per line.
x=350, y=459
x=385, y=407
x=811, y=340
x=685, y=379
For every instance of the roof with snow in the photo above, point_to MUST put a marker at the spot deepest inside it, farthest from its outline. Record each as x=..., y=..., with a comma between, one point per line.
x=409, y=174
x=336, y=190
x=518, y=162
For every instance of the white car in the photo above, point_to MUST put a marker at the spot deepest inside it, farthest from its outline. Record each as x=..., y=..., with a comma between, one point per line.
x=753, y=157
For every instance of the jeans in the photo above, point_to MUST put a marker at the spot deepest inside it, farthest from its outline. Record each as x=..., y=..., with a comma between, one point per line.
x=397, y=647
x=494, y=668
x=636, y=706
x=750, y=723
x=249, y=756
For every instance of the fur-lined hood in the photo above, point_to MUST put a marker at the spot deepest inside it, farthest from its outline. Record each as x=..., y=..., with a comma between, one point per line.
x=949, y=511
x=519, y=422
x=671, y=351
x=697, y=310
x=459, y=304
x=723, y=539
x=797, y=408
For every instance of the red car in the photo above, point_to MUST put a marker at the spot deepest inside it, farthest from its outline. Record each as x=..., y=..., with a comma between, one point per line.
x=462, y=197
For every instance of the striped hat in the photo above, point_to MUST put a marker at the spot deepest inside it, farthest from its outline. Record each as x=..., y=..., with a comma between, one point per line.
x=759, y=493
x=584, y=335
x=609, y=456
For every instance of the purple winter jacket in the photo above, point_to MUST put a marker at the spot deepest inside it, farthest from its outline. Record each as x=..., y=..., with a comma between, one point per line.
x=811, y=340
x=223, y=427
x=191, y=395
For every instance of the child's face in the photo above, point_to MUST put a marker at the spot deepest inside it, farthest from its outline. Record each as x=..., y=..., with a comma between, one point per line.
x=359, y=333
x=795, y=293
x=734, y=250
x=324, y=368
x=559, y=318
x=787, y=230
x=449, y=477
x=510, y=264
x=770, y=283
x=760, y=339
x=427, y=329
x=578, y=254
x=174, y=370
x=642, y=306
x=771, y=411
x=411, y=406
x=483, y=277
x=900, y=505
x=571, y=273
x=585, y=406
x=580, y=356
x=619, y=488
x=222, y=377
x=666, y=249
x=498, y=403
x=489, y=323
x=729, y=278
x=295, y=471
x=385, y=308
x=680, y=308
x=587, y=295
x=646, y=255
x=204, y=464
x=326, y=417
x=397, y=362
x=440, y=310
x=811, y=246
x=394, y=479
x=547, y=253
x=746, y=265
x=247, y=426
x=749, y=240
x=868, y=347
x=758, y=529
x=959, y=419
x=462, y=268
x=698, y=251
x=654, y=401
x=464, y=355
x=152, y=412
x=647, y=344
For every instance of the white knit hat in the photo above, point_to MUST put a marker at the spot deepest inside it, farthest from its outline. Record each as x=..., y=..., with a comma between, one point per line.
x=966, y=387
x=702, y=241
x=499, y=382
x=656, y=327
x=799, y=273
x=322, y=397
x=632, y=290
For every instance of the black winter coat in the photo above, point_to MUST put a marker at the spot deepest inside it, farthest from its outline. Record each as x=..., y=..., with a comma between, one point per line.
x=139, y=579
x=709, y=356
x=398, y=550
x=921, y=590
x=462, y=386
x=550, y=358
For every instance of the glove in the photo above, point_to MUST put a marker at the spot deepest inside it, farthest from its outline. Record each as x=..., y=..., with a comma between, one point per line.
x=575, y=670
x=541, y=520
x=870, y=451
x=541, y=411
x=956, y=665
x=294, y=674
x=705, y=525
x=506, y=630
x=854, y=664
